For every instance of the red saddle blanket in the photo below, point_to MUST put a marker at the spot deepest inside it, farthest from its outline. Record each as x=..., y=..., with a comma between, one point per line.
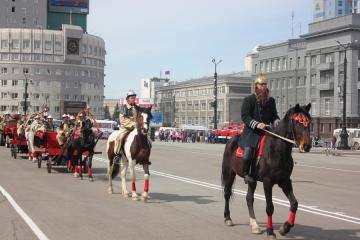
x=240, y=151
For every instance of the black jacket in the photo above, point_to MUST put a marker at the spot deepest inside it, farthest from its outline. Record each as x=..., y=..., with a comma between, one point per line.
x=252, y=113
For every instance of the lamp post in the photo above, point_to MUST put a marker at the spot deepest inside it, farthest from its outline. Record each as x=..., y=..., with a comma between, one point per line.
x=26, y=94
x=344, y=135
x=174, y=116
x=215, y=91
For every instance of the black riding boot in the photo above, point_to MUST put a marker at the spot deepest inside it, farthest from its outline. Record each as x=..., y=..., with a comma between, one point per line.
x=246, y=165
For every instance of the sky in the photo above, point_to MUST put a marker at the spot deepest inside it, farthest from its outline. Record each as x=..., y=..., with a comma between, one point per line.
x=143, y=37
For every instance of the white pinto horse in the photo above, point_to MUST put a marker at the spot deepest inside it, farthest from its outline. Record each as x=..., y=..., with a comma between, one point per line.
x=136, y=150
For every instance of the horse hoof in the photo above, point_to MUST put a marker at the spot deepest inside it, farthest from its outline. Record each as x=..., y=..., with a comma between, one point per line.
x=145, y=197
x=228, y=222
x=76, y=175
x=91, y=179
x=125, y=194
x=110, y=191
x=285, y=228
x=271, y=237
x=256, y=230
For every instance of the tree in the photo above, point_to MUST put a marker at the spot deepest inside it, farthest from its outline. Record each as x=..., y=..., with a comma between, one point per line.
x=107, y=114
x=116, y=112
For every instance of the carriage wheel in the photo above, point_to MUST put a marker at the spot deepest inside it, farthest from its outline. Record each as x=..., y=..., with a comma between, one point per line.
x=39, y=158
x=48, y=165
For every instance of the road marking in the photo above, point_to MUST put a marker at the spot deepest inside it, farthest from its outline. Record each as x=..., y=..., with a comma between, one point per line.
x=300, y=165
x=310, y=209
x=24, y=216
x=326, y=168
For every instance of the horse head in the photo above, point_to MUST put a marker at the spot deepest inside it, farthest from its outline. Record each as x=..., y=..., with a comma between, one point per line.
x=299, y=121
x=143, y=120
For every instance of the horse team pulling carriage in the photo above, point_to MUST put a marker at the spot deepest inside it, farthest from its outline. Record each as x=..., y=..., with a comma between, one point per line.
x=42, y=145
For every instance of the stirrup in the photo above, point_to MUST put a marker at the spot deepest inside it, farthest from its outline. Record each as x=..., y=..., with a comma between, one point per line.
x=117, y=159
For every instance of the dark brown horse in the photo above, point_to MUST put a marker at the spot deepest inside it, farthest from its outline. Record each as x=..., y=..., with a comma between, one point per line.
x=136, y=150
x=274, y=167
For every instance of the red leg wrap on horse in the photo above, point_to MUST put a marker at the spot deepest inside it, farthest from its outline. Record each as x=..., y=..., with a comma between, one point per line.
x=146, y=185
x=269, y=222
x=76, y=169
x=69, y=164
x=133, y=187
x=291, y=218
x=90, y=172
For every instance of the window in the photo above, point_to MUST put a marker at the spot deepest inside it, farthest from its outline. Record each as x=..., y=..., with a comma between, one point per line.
x=26, y=57
x=48, y=58
x=304, y=82
x=313, y=80
x=4, y=44
x=255, y=68
x=58, y=72
x=313, y=61
x=4, y=56
x=58, y=46
x=340, y=3
x=37, y=44
x=14, y=95
x=3, y=108
x=16, y=44
x=273, y=67
x=14, y=82
x=37, y=57
x=340, y=11
x=26, y=44
x=277, y=83
x=15, y=70
x=4, y=70
x=25, y=70
x=298, y=81
x=298, y=62
x=341, y=57
x=15, y=56
x=12, y=9
x=36, y=108
x=327, y=106
x=291, y=82
x=329, y=57
x=290, y=63
x=313, y=108
x=283, y=83
x=3, y=95
x=305, y=61
x=48, y=45
x=37, y=71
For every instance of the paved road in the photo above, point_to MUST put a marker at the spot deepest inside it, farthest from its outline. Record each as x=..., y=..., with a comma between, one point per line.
x=186, y=201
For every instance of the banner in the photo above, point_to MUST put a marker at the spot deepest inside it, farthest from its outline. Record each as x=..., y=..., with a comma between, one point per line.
x=157, y=120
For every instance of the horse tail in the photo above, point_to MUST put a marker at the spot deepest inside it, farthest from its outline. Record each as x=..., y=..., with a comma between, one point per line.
x=113, y=169
x=227, y=173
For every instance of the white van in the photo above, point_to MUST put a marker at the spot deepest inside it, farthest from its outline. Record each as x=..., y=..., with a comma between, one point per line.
x=353, y=139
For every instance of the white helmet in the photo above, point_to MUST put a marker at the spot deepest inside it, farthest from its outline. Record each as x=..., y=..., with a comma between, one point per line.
x=72, y=117
x=49, y=117
x=64, y=115
x=130, y=93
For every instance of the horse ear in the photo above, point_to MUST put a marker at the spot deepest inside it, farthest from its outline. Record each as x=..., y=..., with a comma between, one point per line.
x=297, y=107
x=307, y=107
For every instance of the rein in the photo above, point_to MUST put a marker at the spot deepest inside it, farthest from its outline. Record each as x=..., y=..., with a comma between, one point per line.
x=281, y=137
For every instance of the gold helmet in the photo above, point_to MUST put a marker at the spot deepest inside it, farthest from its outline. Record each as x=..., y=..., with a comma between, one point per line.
x=260, y=79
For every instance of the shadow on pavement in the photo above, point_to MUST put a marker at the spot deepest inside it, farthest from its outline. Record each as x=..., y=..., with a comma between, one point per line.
x=169, y=197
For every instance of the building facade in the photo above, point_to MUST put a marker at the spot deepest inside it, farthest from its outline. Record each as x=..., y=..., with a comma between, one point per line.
x=325, y=9
x=23, y=14
x=311, y=70
x=61, y=67
x=189, y=102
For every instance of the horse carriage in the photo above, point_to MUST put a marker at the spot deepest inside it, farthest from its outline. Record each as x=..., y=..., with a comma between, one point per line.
x=9, y=131
x=76, y=154
x=18, y=143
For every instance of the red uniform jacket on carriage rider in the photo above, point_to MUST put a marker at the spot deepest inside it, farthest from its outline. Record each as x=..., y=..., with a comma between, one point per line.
x=253, y=113
x=127, y=118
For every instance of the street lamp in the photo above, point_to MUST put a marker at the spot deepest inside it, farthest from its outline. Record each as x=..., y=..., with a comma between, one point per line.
x=344, y=135
x=215, y=91
x=26, y=94
x=174, y=116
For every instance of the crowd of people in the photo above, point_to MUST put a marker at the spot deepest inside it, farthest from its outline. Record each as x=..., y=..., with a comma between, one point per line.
x=187, y=136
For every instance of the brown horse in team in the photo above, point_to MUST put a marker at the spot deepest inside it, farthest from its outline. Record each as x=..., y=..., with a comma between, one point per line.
x=274, y=167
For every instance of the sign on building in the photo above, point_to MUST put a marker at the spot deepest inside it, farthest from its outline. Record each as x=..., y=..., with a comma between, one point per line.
x=142, y=102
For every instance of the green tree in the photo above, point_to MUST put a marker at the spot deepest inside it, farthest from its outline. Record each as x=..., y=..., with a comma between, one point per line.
x=116, y=112
x=107, y=114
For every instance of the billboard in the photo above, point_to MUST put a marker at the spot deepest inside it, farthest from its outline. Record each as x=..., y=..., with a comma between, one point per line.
x=157, y=120
x=67, y=6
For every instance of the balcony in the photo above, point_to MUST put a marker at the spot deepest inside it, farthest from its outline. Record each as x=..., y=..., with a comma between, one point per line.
x=326, y=66
x=326, y=86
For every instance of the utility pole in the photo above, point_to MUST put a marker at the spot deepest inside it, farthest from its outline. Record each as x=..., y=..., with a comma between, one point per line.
x=26, y=94
x=215, y=91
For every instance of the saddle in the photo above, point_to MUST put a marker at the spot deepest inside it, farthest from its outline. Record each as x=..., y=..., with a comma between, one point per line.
x=240, y=151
